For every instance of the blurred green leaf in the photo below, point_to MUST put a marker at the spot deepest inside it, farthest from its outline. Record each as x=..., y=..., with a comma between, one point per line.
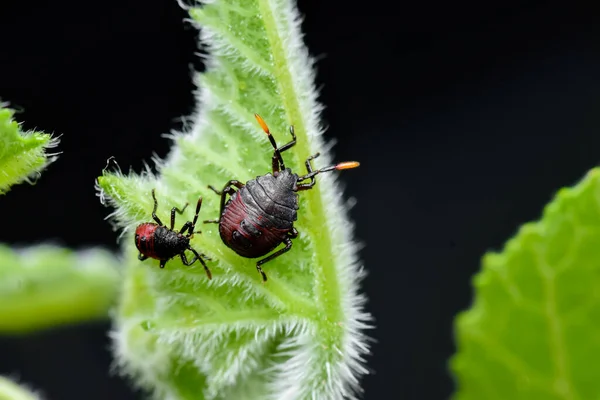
x=533, y=331
x=45, y=286
x=22, y=154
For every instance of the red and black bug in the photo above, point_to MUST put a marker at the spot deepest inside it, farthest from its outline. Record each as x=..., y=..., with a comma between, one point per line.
x=260, y=215
x=154, y=240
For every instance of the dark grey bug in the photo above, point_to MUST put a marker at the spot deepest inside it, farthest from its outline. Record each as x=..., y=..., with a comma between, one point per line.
x=260, y=215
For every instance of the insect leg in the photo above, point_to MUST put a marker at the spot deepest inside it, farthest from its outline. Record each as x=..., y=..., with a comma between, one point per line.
x=196, y=257
x=185, y=227
x=142, y=257
x=182, y=210
x=288, y=246
x=308, y=164
x=154, y=216
x=309, y=170
x=178, y=211
x=275, y=158
x=292, y=143
x=227, y=190
x=185, y=261
x=162, y=263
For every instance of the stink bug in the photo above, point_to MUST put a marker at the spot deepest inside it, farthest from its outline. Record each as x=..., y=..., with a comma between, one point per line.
x=260, y=215
x=154, y=240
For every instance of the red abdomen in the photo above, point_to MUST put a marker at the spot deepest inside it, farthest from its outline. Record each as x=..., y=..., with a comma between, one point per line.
x=144, y=239
x=246, y=231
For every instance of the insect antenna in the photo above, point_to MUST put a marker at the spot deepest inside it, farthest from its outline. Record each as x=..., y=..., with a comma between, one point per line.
x=265, y=128
x=337, y=167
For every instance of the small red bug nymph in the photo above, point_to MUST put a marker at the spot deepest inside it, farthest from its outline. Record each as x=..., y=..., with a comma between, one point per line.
x=154, y=240
x=260, y=215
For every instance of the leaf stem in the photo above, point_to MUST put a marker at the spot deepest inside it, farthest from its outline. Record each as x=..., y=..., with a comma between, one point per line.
x=325, y=274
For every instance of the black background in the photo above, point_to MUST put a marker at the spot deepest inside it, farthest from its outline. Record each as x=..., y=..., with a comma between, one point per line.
x=466, y=117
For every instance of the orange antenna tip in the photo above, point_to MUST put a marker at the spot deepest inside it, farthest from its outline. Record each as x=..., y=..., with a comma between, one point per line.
x=347, y=165
x=262, y=124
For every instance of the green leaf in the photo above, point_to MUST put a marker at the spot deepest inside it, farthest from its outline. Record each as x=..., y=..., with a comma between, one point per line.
x=300, y=335
x=46, y=286
x=22, y=154
x=10, y=390
x=533, y=331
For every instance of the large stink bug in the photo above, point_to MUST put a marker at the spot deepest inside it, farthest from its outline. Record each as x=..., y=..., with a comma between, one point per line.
x=260, y=215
